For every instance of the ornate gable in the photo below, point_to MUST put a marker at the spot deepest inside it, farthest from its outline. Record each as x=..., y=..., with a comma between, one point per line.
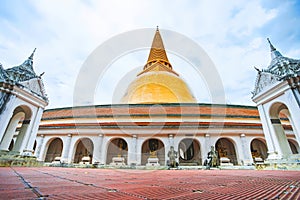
x=263, y=80
x=25, y=77
x=280, y=68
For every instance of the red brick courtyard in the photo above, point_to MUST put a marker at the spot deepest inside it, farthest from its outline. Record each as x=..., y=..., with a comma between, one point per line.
x=83, y=183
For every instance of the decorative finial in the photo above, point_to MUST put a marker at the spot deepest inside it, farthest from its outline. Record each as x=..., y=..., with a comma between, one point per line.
x=41, y=74
x=271, y=45
x=31, y=56
x=257, y=69
x=157, y=29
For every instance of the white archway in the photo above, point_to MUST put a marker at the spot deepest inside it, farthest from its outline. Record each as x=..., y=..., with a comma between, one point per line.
x=226, y=148
x=117, y=147
x=189, y=152
x=16, y=128
x=153, y=146
x=278, y=112
x=83, y=147
x=259, y=148
x=294, y=146
x=54, y=149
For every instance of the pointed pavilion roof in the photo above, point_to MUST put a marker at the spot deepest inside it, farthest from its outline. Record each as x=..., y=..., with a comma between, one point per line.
x=282, y=67
x=158, y=59
x=22, y=72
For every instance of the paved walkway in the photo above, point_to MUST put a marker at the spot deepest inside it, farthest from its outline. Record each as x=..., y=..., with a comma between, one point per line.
x=79, y=183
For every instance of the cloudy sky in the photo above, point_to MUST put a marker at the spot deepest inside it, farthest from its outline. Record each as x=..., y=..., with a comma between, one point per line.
x=232, y=33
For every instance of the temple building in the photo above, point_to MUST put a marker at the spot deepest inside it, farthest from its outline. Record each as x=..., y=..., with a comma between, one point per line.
x=277, y=95
x=159, y=111
x=22, y=102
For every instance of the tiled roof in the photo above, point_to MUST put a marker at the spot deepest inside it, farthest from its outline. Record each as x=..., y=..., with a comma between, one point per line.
x=153, y=109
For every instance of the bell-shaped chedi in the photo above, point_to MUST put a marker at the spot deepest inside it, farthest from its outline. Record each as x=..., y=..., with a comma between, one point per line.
x=158, y=82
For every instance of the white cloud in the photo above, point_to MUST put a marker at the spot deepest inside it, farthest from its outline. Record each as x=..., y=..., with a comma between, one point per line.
x=66, y=32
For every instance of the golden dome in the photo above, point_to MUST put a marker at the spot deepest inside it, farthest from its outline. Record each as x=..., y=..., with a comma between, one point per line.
x=158, y=82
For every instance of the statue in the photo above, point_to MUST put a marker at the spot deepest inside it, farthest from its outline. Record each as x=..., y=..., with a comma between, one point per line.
x=212, y=158
x=153, y=154
x=120, y=149
x=172, y=154
x=222, y=151
x=153, y=146
x=255, y=154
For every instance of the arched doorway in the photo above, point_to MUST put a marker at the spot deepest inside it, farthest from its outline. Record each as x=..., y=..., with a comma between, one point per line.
x=11, y=130
x=189, y=152
x=22, y=126
x=259, y=149
x=54, y=149
x=294, y=146
x=153, y=147
x=117, y=147
x=84, y=148
x=16, y=128
x=226, y=149
x=280, y=119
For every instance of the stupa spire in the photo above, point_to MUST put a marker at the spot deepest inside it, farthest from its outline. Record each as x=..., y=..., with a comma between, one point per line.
x=157, y=59
x=157, y=51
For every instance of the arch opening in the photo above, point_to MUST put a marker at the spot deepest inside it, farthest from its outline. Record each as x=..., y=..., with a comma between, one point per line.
x=281, y=121
x=117, y=147
x=16, y=129
x=294, y=146
x=189, y=152
x=84, y=151
x=153, y=148
x=258, y=150
x=54, y=150
x=12, y=130
x=226, y=149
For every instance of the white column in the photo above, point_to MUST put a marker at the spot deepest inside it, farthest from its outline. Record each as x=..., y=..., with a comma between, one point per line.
x=19, y=145
x=139, y=151
x=293, y=108
x=101, y=148
x=34, y=130
x=39, y=147
x=245, y=151
x=66, y=149
x=205, y=147
x=134, y=137
x=132, y=151
x=272, y=154
x=98, y=149
x=171, y=140
x=11, y=130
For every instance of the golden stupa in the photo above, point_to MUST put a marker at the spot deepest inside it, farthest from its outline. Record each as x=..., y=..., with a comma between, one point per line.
x=158, y=82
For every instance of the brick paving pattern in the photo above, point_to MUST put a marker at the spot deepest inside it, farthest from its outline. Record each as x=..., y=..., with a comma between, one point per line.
x=83, y=183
